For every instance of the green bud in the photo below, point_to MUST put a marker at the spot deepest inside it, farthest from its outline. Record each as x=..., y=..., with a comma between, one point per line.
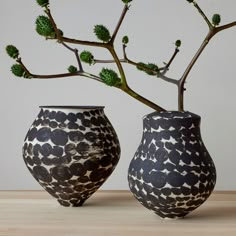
x=72, y=69
x=125, y=40
x=126, y=1
x=43, y=3
x=44, y=27
x=153, y=67
x=178, y=43
x=109, y=77
x=12, y=51
x=216, y=19
x=140, y=66
x=102, y=33
x=18, y=70
x=87, y=57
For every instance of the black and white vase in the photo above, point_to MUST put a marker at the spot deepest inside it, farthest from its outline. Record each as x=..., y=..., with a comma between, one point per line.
x=71, y=151
x=172, y=172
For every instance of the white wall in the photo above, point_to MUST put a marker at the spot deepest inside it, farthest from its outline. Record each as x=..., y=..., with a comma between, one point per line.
x=153, y=26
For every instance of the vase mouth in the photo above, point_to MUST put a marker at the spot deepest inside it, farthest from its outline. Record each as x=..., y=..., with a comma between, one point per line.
x=171, y=114
x=72, y=107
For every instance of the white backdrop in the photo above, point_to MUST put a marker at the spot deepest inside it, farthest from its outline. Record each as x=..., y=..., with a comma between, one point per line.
x=153, y=26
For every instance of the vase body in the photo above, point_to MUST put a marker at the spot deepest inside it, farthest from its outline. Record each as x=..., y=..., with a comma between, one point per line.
x=71, y=151
x=172, y=172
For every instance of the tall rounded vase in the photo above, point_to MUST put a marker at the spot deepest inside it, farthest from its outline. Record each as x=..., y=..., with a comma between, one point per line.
x=71, y=151
x=172, y=172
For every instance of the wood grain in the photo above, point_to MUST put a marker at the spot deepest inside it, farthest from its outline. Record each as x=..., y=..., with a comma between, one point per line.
x=35, y=213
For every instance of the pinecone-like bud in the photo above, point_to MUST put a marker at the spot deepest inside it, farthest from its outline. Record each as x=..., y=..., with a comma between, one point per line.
x=72, y=69
x=12, y=51
x=126, y=1
x=125, y=39
x=109, y=77
x=18, y=70
x=43, y=3
x=87, y=57
x=44, y=27
x=216, y=19
x=178, y=43
x=102, y=33
x=140, y=66
x=153, y=67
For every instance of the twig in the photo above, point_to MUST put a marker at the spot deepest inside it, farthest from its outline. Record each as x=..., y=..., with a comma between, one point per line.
x=172, y=58
x=212, y=32
x=76, y=52
x=126, y=8
x=54, y=76
x=203, y=15
x=159, y=74
x=69, y=40
x=226, y=26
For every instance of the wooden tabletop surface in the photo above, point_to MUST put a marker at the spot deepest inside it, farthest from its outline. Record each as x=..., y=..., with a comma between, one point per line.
x=113, y=213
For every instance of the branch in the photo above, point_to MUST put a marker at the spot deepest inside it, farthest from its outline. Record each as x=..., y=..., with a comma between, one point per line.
x=159, y=74
x=58, y=35
x=96, y=61
x=54, y=76
x=212, y=32
x=76, y=52
x=120, y=68
x=172, y=58
x=203, y=15
x=126, y=8
x=61, y=38
x=227, y=26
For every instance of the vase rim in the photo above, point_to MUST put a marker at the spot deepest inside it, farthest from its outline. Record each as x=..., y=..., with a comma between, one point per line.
x=72, y=107
x=171, y=114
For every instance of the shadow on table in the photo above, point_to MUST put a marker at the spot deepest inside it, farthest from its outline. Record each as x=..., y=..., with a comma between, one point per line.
x=111, y=200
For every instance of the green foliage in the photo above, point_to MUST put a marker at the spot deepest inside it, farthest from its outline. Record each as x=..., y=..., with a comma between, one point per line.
x=12, y=51
x=109, y=77
x=141, y=66
x=87, y=57
x=18, y=70
x=72, y=69
x=178, y=43
x=216, y=19
x=102, y=33
x=126, y=1
x=43, y=3
x=44, y=27
x=125, y=39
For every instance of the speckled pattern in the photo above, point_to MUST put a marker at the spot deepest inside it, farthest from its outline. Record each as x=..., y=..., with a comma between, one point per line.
x=171, y=173
x=71, y=152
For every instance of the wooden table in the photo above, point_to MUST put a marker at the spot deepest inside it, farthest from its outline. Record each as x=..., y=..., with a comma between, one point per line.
x=35, y=213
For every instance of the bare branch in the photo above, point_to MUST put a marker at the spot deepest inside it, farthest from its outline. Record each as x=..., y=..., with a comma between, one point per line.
x=203, y=15
x=76, y=52
x=126, y=8
x=172, y=58
x=224, y=27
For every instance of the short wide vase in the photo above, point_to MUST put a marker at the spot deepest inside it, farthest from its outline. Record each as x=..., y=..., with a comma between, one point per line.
x=71, y=151
x=172, y=172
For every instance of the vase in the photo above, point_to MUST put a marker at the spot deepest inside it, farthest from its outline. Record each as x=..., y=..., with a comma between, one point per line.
x=172, y=172
x=71, y=151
